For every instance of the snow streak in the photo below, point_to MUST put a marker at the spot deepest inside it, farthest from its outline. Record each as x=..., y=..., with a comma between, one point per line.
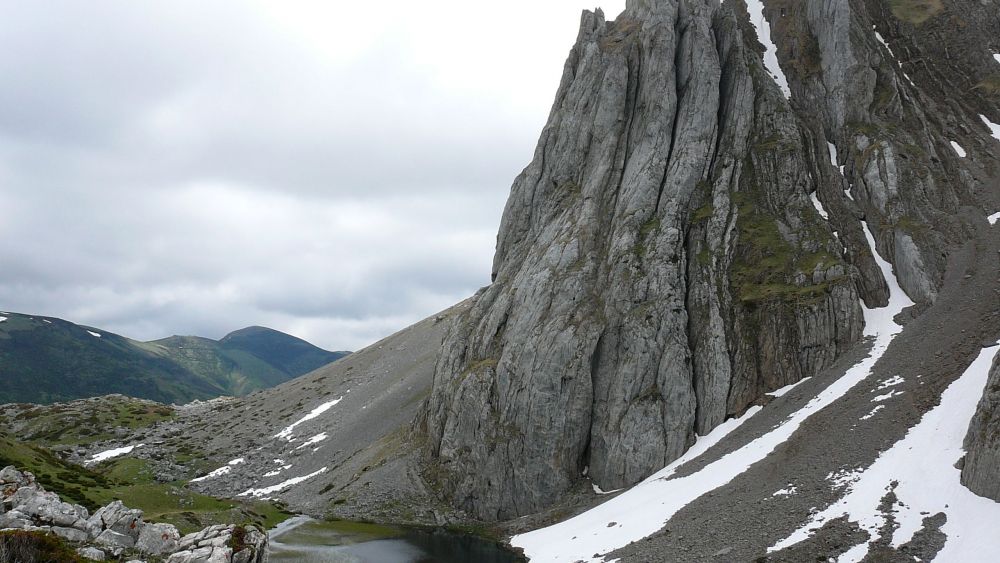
x=109, y=454
x=280, y=486
x=287, y=432
x=760, y=23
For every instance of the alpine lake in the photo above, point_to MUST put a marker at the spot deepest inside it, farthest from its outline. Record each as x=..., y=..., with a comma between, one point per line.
x=306, y=540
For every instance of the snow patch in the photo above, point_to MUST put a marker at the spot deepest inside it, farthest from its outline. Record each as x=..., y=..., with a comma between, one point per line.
x=884, y=44
x=760, y=23
x=891, y=382
x=3, y=319
x=843, y=478
x=873, y=412
x=645, y=508
x=785, y=390
x=994, y=128
x=109, y=454
x=216, y=473
x=922, y=466
x=314, y=440
x=599, y=491
x=997, y=57
x=287, y=432
x=94, y=334
x=887, y=396
x=958, y=149
x=220, y=471
x=787, y=491
x=993, y=218
x=280, y=486
x=819, y=206
x=278, y=471
x=46, y=321
x=833, y=160
x=855, y=554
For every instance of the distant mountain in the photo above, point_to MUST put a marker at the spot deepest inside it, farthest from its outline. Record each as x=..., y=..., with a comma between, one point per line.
x=47, y=360
x=283, y=351
x=248, y=359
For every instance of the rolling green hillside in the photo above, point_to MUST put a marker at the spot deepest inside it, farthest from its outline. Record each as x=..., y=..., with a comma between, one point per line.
x=283, y=351
x=47, y=360
x=246, y=360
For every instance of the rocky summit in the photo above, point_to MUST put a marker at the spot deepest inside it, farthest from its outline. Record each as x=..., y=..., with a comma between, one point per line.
x=745, y=306
x=691, y=234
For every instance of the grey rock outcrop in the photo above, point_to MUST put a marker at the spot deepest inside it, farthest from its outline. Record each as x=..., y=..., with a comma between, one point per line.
x=117, y=529
x=158, y=539
x=119, y=520
x=92, y=553
x=25, y=504
x=683, y=244
x=981, y=471
x=223, y=544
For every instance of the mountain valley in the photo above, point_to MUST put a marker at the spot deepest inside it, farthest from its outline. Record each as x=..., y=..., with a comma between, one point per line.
x=745, y=307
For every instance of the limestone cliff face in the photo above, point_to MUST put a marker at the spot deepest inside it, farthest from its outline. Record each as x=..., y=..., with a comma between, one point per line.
x=981, y=472
x=661, y=263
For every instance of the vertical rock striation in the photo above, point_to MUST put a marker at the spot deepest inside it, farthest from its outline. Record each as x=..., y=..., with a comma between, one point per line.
x=684, y=241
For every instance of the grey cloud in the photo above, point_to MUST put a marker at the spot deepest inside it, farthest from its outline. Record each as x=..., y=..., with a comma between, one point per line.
x=191, y=167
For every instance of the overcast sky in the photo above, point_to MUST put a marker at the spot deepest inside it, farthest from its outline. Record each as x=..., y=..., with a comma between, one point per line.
x=336, y=170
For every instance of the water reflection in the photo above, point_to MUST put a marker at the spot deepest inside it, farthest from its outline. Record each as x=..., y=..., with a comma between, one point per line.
x=311, y=541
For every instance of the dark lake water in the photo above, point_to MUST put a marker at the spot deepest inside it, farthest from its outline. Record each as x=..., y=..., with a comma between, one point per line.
x=313, y=541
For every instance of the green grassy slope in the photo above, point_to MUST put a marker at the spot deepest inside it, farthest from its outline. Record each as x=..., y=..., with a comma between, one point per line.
x=48, y=360
x=239, y=373
x=283, y=351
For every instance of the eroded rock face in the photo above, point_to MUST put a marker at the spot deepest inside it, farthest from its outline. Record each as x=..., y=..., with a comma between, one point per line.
x=981, y=472
x=661, y=266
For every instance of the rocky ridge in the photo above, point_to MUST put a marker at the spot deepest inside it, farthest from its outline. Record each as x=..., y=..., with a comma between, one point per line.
x=117, y=530
x=48, y=360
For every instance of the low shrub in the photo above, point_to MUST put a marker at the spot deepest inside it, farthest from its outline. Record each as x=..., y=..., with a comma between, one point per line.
x=35, y=547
